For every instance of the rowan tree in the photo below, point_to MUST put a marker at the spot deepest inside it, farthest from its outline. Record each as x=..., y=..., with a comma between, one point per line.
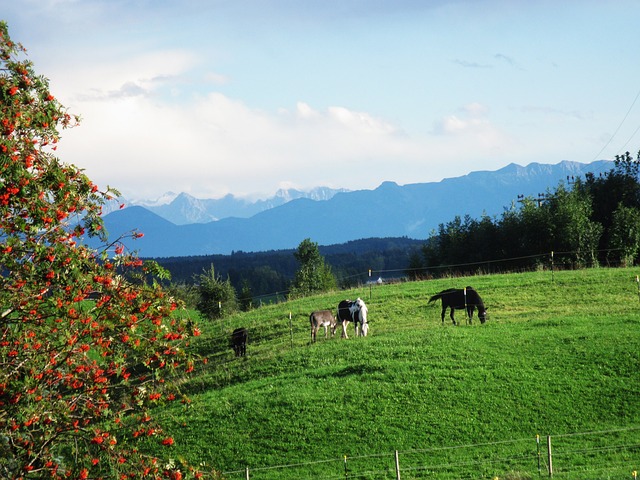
x=78, y=376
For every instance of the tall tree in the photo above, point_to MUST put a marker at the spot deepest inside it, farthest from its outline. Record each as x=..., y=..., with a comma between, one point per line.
x=625, y=234
x=573, y=230
x=608, y=191
x=78, y=377
x=217, y=296
x=246, y=297
x=314, y=275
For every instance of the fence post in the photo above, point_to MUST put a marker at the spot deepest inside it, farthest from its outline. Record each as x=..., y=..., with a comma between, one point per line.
x=346, y=475
x=549, y=455
x=397, y=466
x=247, y=473
x=466, y=308
x=291, y=329
x=538, y=448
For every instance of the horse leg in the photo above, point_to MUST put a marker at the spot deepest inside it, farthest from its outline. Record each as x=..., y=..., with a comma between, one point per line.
x=444, y=310
x=344, y=328
x=451, y=315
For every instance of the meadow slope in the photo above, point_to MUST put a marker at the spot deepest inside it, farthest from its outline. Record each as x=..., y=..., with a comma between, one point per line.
x=559, y=356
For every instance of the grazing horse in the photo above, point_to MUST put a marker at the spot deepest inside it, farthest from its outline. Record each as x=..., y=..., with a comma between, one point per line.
x=322, y=318
x=239, y=339
x=355, y=312
x=461, y=298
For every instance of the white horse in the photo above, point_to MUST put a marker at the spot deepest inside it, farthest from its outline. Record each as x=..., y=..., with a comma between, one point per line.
x=355, y=312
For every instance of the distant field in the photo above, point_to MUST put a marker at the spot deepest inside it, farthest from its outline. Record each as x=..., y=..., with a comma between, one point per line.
x=559, y=356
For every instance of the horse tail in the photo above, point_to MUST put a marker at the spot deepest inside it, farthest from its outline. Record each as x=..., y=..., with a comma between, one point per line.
x=435, y=297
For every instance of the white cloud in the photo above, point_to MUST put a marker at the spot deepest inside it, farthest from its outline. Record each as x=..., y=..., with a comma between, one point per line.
x=142, y=146
x=476, y=109
x=304, y=111
x=473, y=125
x=203, y=146
x=359, y=121
x=106, y=78
x=216, y=78
x=136, y=137
x=468, y=64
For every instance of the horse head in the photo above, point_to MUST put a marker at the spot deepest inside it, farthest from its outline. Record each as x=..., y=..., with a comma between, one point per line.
x=482, y=315
x=362, y=314
x=362, y=309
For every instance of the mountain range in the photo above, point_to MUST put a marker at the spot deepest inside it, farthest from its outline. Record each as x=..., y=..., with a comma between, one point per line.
x=330, y=217
x=182, y=208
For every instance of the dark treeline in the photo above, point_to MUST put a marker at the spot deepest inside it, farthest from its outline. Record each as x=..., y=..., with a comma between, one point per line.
x=593, y=221
x=268, y=273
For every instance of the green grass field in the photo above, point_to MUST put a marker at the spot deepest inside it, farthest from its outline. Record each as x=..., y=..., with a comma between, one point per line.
x=559, y=356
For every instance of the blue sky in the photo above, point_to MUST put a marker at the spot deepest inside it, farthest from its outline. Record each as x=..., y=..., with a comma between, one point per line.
x=212, y=97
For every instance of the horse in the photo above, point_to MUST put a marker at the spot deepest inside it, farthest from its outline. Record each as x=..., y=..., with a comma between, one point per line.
x=355, y=312
x=238, y=342
x=322, y=318
x=461, y=298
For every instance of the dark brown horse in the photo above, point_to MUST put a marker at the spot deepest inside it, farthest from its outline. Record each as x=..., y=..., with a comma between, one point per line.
x=238, y=342
x=461, y=299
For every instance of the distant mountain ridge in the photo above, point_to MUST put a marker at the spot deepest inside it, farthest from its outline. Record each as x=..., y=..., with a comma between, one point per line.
x=412, y=211
x=183, y=209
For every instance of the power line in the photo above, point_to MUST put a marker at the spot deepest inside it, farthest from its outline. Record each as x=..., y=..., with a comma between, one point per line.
x=630, y=138
x=619, y=126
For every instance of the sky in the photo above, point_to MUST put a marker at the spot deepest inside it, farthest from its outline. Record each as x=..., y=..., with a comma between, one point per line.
x=244, y=97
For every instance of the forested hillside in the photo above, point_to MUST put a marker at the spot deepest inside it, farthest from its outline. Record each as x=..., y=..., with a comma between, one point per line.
x=271, y=272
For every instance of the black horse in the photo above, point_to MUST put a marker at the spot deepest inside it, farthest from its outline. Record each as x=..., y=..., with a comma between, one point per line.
x=461, y=298
x=238, y=342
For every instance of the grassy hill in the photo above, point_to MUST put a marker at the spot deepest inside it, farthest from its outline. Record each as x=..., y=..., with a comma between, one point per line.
x=559, y=356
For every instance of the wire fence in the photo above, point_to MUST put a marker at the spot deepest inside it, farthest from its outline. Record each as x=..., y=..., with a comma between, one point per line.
x=584, y=455
x=552, y=261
